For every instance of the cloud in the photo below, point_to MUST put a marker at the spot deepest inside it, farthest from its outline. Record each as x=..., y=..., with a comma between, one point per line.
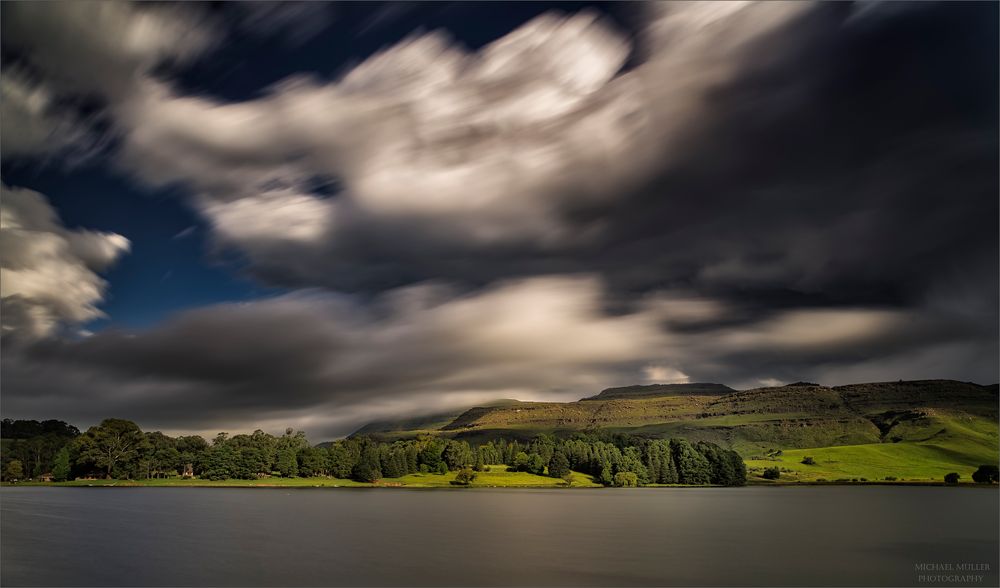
x=327, y=363
x=748, y=193
x=270, y=217
x=291, y=22
x=658, y=374
x=473, y=166
x=332, y=359
x=479, y=145
x=544, y=152
x=101, y=48
x=185, y=233
x=48, y=274
x=512, y=148
x=458, y=165
x=29, y=123
x=837, y=346
x=69, y=60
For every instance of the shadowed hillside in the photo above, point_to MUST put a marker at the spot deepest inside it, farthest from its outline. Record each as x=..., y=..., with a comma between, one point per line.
x=429, y=422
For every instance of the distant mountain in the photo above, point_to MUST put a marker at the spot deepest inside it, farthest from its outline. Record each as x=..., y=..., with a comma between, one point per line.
x=702, y=389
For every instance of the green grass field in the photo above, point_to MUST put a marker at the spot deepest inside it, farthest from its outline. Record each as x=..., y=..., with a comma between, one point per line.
x=497, y=477
x=945, y=444
x=193, y=483
x=875, y=462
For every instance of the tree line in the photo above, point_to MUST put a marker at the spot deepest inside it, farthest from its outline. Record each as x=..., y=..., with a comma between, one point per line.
x=118, y=448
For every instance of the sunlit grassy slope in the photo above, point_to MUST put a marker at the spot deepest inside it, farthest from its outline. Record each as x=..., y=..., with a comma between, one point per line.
x=944, y=444
x=498, y=476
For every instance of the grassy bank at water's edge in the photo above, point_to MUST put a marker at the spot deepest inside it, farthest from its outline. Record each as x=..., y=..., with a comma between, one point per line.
x=497, y=477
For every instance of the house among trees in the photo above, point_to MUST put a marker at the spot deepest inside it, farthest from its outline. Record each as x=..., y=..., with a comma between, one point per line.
x=45, y=477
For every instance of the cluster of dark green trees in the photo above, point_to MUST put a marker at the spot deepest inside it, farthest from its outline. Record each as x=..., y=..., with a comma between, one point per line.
x=986, y=474
x=617, y=460
x=30, y=448
x=623, y=460
x=118, y=448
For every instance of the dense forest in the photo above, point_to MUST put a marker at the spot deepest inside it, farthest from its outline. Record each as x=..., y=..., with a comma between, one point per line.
x=119, y=449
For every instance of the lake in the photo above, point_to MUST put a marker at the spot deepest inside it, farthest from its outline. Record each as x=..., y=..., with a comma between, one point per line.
x=484, y=537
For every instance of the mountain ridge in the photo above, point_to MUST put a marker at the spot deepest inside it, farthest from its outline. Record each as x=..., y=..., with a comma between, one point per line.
x=649, y=390
x=753, y=421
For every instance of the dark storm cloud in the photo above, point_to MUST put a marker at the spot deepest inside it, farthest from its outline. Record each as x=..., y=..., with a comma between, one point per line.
x=771, y=193
x=858, y=166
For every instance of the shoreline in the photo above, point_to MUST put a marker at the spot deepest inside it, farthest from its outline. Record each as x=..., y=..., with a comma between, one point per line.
x=349, y=484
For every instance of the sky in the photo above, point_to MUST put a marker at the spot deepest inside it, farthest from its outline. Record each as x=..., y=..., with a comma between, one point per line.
x=233, y=216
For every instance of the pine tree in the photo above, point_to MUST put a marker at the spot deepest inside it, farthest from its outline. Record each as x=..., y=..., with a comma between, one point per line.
x=389, y=469
x=558, y=465
x=287, y=464
x=668, y=468
x=739, y=468
x=364, y=472
x=412, y=464
x=340, y=461
x=692, y=467
x=60, y=467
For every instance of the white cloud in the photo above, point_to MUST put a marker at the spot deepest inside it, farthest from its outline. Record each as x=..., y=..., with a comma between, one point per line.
x=283, y=216
x=489, y=142
x=660, y=374
x=482, y=148
x=48, y=273
x=770, y=382
x=464, y=149
x=687, y=308
x=821, y=329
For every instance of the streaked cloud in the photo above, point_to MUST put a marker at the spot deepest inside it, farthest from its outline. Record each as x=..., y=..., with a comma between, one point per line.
x=748, y=193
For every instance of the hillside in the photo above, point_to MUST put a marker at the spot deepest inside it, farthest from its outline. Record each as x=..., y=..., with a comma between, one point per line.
x=412, y=426
x=926, y=426
x=703, y=389
x=794, y=416
x=582, y=415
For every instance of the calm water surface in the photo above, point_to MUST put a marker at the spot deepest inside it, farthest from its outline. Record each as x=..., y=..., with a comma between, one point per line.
x=362, y=537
